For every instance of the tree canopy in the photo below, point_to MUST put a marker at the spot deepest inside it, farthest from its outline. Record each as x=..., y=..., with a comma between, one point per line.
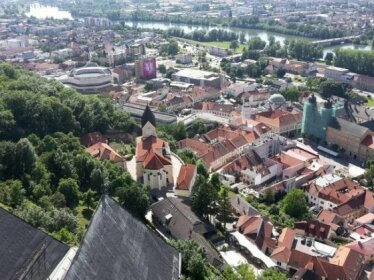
x=294, y=204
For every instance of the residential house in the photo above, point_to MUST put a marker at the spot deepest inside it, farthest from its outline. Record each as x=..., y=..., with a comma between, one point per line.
x=186, y=180
x=281, y=255
x=337, y=223
x=313, y=228
x=103, y=151
x=364, y=247
x=92, y=138
x=363, y=82
x=176, y=220
x=258, y=230
x=281, y=121
x=214, y=108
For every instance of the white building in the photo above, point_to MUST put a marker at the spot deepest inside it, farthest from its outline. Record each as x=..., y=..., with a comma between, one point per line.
x=186, y=180
x=90, y=78
x=260, y=174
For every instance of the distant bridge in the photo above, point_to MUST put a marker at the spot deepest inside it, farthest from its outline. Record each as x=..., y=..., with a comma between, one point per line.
x=334, y=41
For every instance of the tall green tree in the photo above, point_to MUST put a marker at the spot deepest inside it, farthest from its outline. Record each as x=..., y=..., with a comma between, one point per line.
x=295, y=204
x=291, y=94
x=225, y=207
x=135, y=198
x=329, y=88
x=70, y=189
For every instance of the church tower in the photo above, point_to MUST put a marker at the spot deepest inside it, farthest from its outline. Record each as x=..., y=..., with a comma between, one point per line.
x=148, y=123
x=246, y=110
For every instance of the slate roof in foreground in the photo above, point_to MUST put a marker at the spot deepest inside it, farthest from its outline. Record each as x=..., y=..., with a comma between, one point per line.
x=118, y=246
x=25, y=251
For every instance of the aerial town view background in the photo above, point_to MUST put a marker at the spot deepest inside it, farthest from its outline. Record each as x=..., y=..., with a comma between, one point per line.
x=186, y=139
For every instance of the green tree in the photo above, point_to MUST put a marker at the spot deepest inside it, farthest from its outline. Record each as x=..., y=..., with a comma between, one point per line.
x=369, y=175
x=329, y=88
x=234, y=44
x=269, y=196
x=245, y=272
x=304, y=50
x=294, y=204
x=25, y=157
x=135, y=198
x=194, y=264
x=97, y=179
x=162, y=68
x=187, y=155
x=173, y=48
x=225, y=207
x=272, y=274
x=162, y=108
x=201, y=169
x=204, y=197
x=70, y=189
x=89, y=198
x=255, y=43
x=329, y=57
x=291, y=94
x=16, y=193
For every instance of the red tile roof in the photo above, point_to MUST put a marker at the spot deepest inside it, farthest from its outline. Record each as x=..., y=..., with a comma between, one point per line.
x=279, y=118
x=364, y=247
x=314, y=228
x=368, y=141
x=155, y=161
x=186, y=174
x=103, y=151
x=92, y=138
x=145, y=145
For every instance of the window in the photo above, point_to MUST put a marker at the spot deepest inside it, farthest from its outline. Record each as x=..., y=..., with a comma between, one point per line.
x=279, y=263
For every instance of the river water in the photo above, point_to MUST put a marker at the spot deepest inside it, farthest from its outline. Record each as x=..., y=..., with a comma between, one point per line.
x=44, y=12
x=249, y=33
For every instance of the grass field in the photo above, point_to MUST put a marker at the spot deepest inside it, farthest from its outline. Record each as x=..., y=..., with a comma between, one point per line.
x=224, y=44
x=370, y=102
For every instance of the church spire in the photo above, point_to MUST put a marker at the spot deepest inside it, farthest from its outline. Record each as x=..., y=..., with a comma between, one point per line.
x=148, y=116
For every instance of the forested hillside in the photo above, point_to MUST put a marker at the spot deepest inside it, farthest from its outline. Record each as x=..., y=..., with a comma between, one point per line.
x=46, y=177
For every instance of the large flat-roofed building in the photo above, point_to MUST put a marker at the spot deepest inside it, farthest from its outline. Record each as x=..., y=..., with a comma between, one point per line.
x=339, y=74
x=357, y=140
x=137, y=111
x=90, y=78
x=198, y=78
x=145, y=68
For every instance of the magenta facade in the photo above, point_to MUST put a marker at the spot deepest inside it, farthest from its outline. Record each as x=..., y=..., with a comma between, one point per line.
x=149, y=68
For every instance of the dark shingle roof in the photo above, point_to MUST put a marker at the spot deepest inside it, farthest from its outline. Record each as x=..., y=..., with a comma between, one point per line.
x=348, y=127
x=26, y=251
x=148, y=116
x=183, y=224
x=118, y=246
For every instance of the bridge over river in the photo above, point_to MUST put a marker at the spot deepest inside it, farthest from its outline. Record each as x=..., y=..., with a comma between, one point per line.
x=334, y=41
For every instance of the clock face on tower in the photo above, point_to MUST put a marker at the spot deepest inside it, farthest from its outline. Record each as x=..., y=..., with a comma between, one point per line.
x=149, y=69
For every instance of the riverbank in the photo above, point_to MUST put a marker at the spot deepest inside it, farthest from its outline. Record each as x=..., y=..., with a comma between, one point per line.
x=224, y=44
x=249, y=22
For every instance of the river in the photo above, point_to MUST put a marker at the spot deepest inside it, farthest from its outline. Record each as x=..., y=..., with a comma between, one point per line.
x=249, y=33
x=44, y=12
